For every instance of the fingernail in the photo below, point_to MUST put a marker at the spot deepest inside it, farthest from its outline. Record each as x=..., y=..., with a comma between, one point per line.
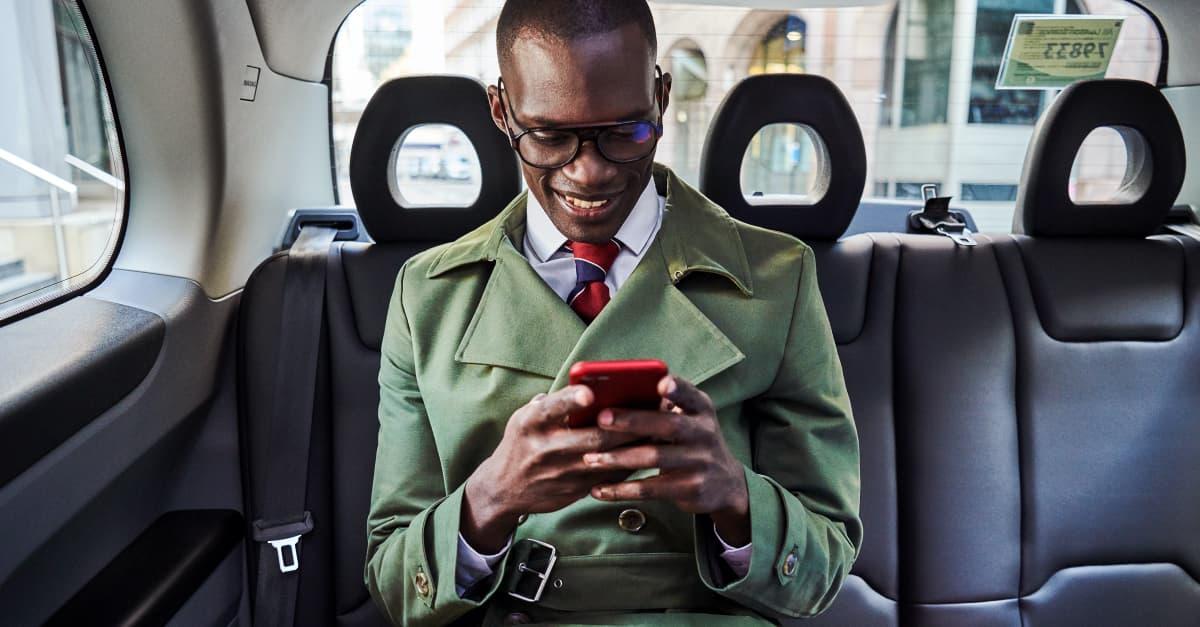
x=606, y=417
x=581, y=397
x=591, y=459
x=597, y=493
x=670, y=385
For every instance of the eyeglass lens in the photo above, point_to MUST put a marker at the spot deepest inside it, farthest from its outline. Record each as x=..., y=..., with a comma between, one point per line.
x=620, y=143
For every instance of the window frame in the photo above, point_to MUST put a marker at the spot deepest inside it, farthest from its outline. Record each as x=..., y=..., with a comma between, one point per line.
x=62, y=290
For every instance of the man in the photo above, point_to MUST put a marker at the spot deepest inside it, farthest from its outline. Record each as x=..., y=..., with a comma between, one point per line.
x=736, y=503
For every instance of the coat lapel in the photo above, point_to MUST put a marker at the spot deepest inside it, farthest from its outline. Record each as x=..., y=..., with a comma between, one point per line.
x=651, y=318
x=520, y=322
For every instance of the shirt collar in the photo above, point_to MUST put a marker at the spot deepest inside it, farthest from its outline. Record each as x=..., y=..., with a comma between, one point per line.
x=701, y=237
x=545, y=239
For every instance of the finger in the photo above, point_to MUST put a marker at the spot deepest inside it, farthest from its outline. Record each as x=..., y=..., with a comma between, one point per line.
x=551, y=409
x=669, y=457
x=668, y=426
x=576, y=442
x=687, y=396
x=537, y=398
x=658, y=487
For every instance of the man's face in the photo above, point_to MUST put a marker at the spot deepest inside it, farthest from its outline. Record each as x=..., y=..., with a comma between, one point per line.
x=593, y=80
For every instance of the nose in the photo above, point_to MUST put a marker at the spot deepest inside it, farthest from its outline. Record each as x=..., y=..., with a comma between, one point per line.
x=589, y=169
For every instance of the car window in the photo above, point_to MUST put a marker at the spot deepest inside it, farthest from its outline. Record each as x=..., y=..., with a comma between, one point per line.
x=919, y=74
x=62, y=184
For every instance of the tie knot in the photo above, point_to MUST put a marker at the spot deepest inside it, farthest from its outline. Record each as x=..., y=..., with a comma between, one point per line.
x=600, y=255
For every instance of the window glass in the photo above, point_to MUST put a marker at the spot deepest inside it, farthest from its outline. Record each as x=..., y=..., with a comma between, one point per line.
x=784, y=159
x=435, y=165
x=911, y=190
x=688, y=118
x=1100, y=165
x=62, y=190
x=989, y=191
x=781, y=50
x=989, y=105
x=927, y=50
x=917, y=73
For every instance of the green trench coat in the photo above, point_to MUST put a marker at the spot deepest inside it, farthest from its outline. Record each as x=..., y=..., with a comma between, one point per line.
x=473, y=332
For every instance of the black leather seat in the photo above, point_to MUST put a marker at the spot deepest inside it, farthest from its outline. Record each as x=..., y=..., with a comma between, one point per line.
x=1026, y=407
x=1046, y=393
x=1107, y=337
x=359, y=283
x=857, y=276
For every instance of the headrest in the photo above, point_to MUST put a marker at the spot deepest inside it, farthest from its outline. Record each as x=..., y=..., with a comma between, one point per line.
x=805, y=99
x=397, y=107
x=1153, y=175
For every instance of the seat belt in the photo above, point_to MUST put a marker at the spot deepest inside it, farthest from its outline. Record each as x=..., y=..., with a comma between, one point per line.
x=282, y=516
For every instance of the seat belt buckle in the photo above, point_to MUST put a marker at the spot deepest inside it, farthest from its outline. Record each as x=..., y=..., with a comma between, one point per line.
x=936, y=217
x=533, y=570
x=284, y=537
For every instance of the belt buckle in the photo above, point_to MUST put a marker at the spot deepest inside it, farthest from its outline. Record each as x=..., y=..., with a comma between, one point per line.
x=543, y=575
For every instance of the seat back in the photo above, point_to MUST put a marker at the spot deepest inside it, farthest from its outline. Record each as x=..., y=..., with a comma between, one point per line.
x=857, y=281
x=360, y=278
x=1025, y=407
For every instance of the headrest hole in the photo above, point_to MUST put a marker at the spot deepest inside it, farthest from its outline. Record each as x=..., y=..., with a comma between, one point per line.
x=785, y=164
x=434, y=165
x=1112, y=166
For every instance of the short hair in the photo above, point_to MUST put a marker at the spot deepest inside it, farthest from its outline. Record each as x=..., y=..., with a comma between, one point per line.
x=568, y=20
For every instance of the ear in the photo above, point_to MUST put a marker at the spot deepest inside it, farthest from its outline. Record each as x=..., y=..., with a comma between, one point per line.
x=666, y=92
x=497, y=109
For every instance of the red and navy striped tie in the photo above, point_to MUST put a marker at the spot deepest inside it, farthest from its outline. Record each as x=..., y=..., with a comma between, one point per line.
x=592, y=262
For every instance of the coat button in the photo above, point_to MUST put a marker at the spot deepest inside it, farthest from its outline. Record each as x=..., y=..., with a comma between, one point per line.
x=632, y=520
x=421, y=581
x=517, y=618
x=790, y=562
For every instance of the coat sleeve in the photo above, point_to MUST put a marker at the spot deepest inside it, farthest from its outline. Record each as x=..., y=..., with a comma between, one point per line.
x=413, y=524
x=804, y=479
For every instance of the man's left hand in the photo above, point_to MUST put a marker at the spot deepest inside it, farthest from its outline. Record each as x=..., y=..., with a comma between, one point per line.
x=697, y=472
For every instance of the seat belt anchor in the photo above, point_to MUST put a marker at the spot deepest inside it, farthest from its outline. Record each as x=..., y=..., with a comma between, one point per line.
x=284, y=537
x=936, y=217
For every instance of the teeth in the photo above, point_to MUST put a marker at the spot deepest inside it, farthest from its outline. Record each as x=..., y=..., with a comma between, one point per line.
x=584, y=204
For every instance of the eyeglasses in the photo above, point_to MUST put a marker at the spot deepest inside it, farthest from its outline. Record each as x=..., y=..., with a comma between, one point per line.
x=551, y=147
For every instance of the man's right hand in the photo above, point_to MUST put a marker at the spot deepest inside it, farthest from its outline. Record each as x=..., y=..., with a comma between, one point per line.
x=537, y=467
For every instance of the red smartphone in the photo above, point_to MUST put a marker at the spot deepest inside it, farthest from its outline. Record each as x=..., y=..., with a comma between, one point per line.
x=625, y=383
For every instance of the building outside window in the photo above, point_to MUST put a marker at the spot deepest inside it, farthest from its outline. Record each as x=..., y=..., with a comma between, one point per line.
x=917, y=73
x=927, y=61
x=689, y=112
x=62, y=189
x=989, y=105
x=781, y=49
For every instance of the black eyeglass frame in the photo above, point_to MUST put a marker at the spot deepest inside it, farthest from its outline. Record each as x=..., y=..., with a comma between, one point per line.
x=590, y=132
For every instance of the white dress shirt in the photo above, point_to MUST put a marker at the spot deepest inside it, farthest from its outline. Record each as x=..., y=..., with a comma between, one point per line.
x=544, y=250
x=544, y=244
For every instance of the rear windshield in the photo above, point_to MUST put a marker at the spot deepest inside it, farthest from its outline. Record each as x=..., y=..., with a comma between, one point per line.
x=919, y=74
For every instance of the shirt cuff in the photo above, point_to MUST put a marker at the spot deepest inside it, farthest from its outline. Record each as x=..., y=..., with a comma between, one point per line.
x=737, y=557
x=473, y=566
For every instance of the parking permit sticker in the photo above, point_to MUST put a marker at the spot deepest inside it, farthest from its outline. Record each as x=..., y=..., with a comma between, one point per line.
x=1053, y=51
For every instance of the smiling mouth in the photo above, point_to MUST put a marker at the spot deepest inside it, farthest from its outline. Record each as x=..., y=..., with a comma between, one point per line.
x=582, y=207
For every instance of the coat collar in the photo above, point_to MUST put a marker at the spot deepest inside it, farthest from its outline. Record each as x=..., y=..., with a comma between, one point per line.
x=696, y=236
x=649, y=317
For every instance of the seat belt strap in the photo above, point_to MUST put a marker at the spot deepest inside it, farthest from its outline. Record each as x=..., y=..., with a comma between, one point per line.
x=283, y=519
